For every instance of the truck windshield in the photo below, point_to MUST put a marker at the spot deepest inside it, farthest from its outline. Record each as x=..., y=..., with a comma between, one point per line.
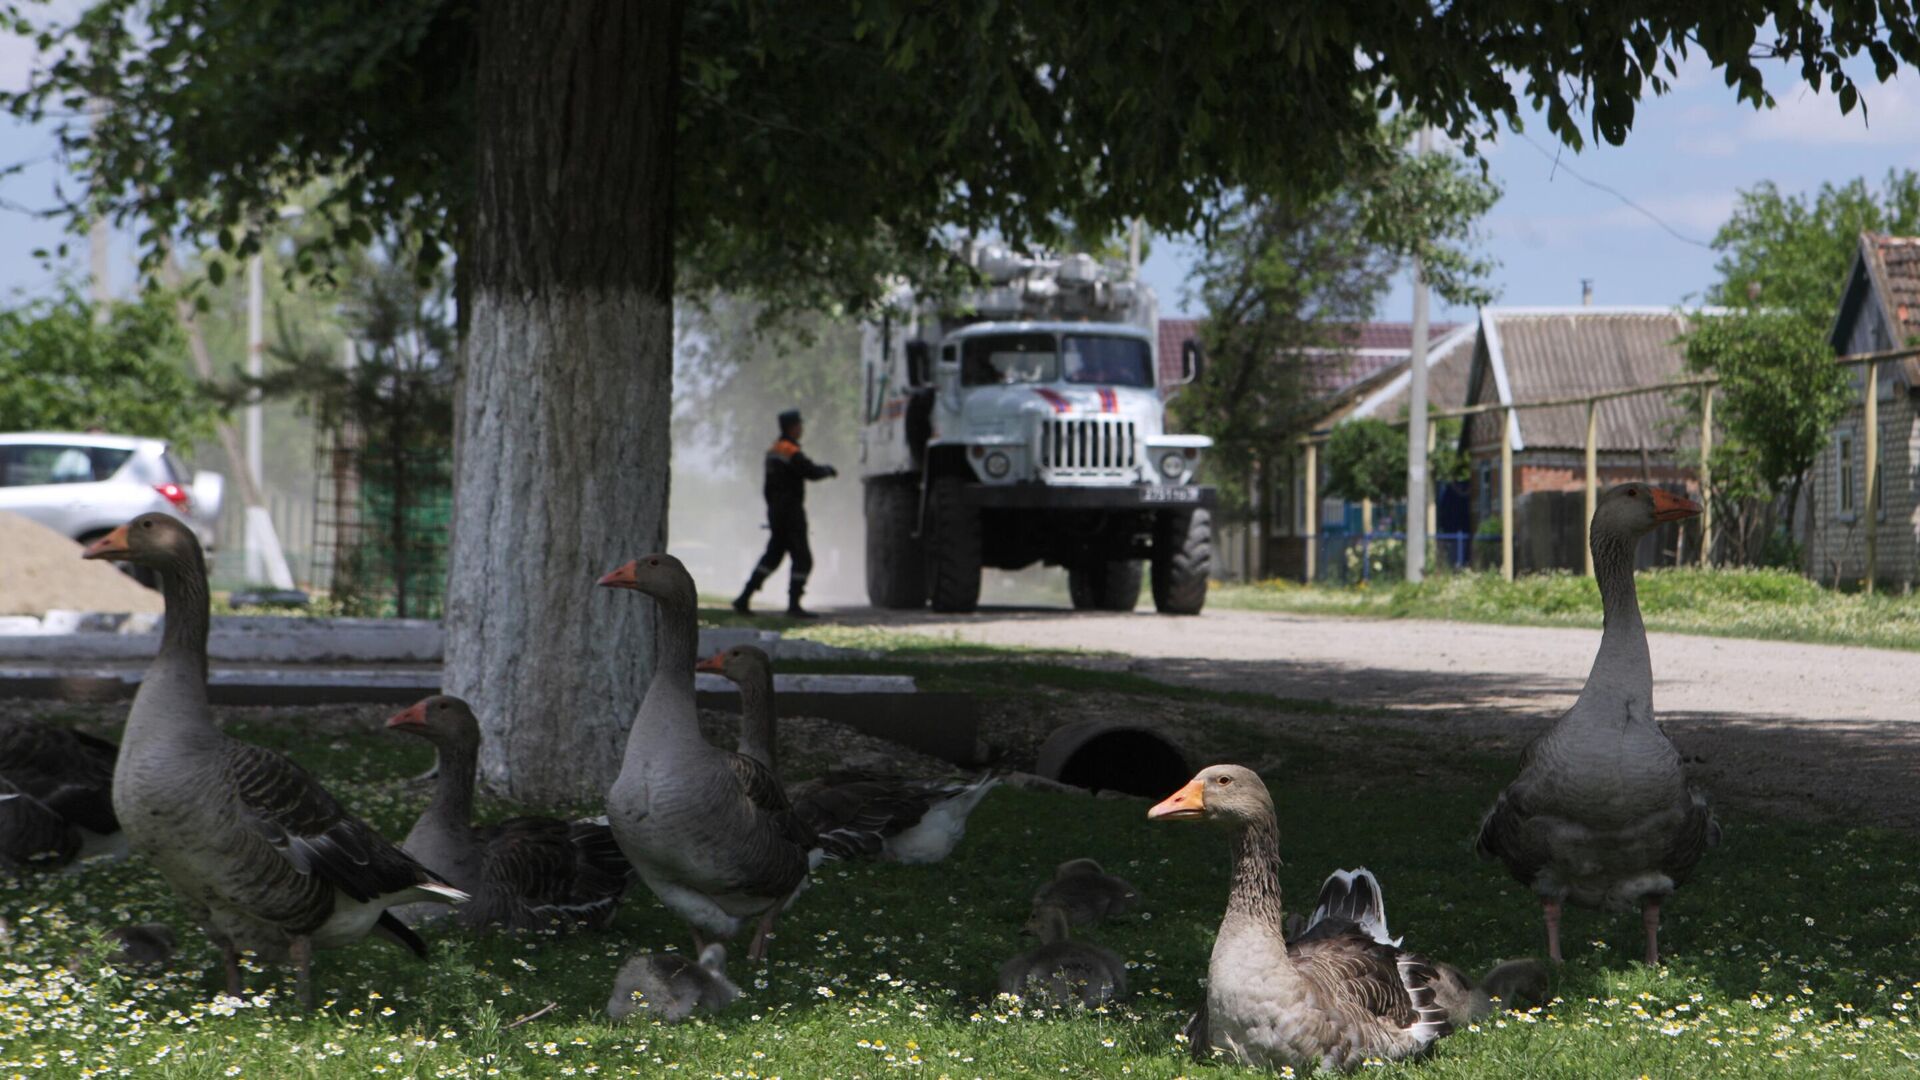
x=1110, y=361
x=994, y=359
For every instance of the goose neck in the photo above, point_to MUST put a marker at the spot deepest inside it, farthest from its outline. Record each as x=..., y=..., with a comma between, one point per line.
x=1254, y=901
x=183, y=638
x=452, y=802
x=757, y=719
x=1622, y=664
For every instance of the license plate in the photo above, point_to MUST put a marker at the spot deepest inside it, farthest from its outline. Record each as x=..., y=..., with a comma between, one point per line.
x=1169, y=494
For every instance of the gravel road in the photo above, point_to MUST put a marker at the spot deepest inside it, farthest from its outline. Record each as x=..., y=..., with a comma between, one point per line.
x=1454, y=667
x=1816, y=732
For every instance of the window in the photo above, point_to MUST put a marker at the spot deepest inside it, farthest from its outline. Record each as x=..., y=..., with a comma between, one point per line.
x=1486, y=490
x=997, y=359
x=22, y=466
x=1110, y=361
x=1844, y=479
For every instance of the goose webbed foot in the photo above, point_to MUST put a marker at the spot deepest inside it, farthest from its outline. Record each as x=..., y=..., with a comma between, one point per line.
x=1650, y=916
x=1551, y=910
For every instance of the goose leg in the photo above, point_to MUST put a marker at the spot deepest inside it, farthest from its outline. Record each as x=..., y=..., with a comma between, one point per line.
x=1650, y=915
x=699, y=943
x=300, y=951
x=1551, y=909
x=231, y=955
x=757, y=951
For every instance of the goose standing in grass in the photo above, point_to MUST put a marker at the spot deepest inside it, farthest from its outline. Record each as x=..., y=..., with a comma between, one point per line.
x=710, y=831
x=523, y=873
x=262, y=855
x=1061, y=969
x=1086, y=892
x=671, y=987
x=1602, y=813
x=1334, y=997
x=56, y=796
x=897, y=819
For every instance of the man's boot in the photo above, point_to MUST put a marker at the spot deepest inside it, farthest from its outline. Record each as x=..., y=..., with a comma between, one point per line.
x=794, y=610
x=740, y=603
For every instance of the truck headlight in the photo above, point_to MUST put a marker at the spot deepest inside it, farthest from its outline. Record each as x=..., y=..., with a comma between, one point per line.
x=1172, y=464
x=997, y=464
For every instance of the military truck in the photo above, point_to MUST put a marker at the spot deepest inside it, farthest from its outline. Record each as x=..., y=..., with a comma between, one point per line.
x=1023, y=423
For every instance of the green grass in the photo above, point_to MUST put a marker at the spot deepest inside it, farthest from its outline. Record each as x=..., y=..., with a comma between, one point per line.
x=1792, y=955
x=1769, y=604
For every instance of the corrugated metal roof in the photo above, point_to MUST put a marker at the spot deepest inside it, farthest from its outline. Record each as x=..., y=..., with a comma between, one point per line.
x=1545, y=354
x=1449, y=363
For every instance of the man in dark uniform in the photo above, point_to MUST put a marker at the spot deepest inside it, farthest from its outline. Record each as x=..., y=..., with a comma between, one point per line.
x=788, y=471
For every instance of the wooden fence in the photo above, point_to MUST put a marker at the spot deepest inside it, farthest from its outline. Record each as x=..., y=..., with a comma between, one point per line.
x=1706, y=384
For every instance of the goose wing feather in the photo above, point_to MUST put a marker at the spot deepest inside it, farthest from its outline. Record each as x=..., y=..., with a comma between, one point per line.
x=31, y=833
x=68, y=771
x=763, y=790
x=1700, y=831
x=287, y=806
x=1373, y=981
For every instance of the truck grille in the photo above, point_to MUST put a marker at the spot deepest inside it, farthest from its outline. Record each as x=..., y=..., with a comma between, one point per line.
x=1088, y=447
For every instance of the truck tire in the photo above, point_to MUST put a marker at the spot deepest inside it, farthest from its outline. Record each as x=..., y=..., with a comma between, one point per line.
x=1182, y=561
x=952, y=540
x=1105, y=584
x=896, y=565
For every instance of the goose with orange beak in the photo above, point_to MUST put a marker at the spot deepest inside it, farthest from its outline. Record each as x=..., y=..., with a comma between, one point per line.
x=1602, y=813
x=710, y=831
x=1336, y=996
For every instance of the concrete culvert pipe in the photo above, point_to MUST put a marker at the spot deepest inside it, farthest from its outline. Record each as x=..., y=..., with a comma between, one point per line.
x=1100, y=755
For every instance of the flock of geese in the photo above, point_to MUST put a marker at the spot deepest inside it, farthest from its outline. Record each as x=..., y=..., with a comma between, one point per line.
x=1601, y=814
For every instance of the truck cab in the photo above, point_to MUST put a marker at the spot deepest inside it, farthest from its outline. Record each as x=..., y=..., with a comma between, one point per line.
x=1024, y=425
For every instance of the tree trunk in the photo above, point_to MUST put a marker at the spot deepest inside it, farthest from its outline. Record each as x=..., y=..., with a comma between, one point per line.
x=562, y=470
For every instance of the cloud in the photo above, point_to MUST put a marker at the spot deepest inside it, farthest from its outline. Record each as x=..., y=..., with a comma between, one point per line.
x=1809, y=117
x=1697, y=215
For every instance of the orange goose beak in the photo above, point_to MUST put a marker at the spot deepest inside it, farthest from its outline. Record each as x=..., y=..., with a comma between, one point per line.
x=412, y=718
x=1184, y=805
x=627, y=577
x=713, y=665
x=1670, y=507
x=111, y=546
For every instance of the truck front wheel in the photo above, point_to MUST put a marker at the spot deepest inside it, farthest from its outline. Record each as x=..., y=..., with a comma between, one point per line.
x=1182, y=560
x=952, y=539
x=1104, y=584
x=896, y=565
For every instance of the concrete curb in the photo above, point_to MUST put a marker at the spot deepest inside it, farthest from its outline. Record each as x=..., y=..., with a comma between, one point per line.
x=72, y=636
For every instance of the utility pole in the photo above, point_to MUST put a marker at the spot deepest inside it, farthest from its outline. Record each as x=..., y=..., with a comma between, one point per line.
x=1416, y=526
x=256, y=471
x=99, y=250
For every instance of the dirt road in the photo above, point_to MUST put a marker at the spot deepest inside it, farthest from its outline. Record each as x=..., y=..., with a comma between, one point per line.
x=1806, y=731
x=1455, y=667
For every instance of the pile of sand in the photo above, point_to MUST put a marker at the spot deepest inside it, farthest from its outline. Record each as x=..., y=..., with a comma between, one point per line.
x=40, y=570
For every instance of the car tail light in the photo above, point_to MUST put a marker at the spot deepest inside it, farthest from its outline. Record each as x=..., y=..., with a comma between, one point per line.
x=174, y=494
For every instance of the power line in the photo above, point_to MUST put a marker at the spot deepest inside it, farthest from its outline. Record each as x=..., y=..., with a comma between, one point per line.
x=1554, y=157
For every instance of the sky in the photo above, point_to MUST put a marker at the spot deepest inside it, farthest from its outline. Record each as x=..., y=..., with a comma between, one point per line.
x=1687, y=156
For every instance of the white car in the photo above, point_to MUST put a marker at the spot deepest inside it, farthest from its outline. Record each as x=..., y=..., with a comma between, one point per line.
x=81, y=486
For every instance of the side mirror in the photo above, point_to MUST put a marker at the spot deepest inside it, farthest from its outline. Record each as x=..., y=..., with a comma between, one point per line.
x=1191, y=361
x=919, y=364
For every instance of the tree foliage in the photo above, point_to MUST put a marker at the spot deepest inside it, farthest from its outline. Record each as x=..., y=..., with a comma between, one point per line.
x=825, y=143
x=1792, y=252
x=1287, y=278
x=1781, y=394
x=62, y=371
x=1366, y=459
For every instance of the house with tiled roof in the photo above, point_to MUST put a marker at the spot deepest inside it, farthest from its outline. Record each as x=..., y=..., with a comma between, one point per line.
x=1338, y=380
x=1879, y=310
x=1524, y=354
